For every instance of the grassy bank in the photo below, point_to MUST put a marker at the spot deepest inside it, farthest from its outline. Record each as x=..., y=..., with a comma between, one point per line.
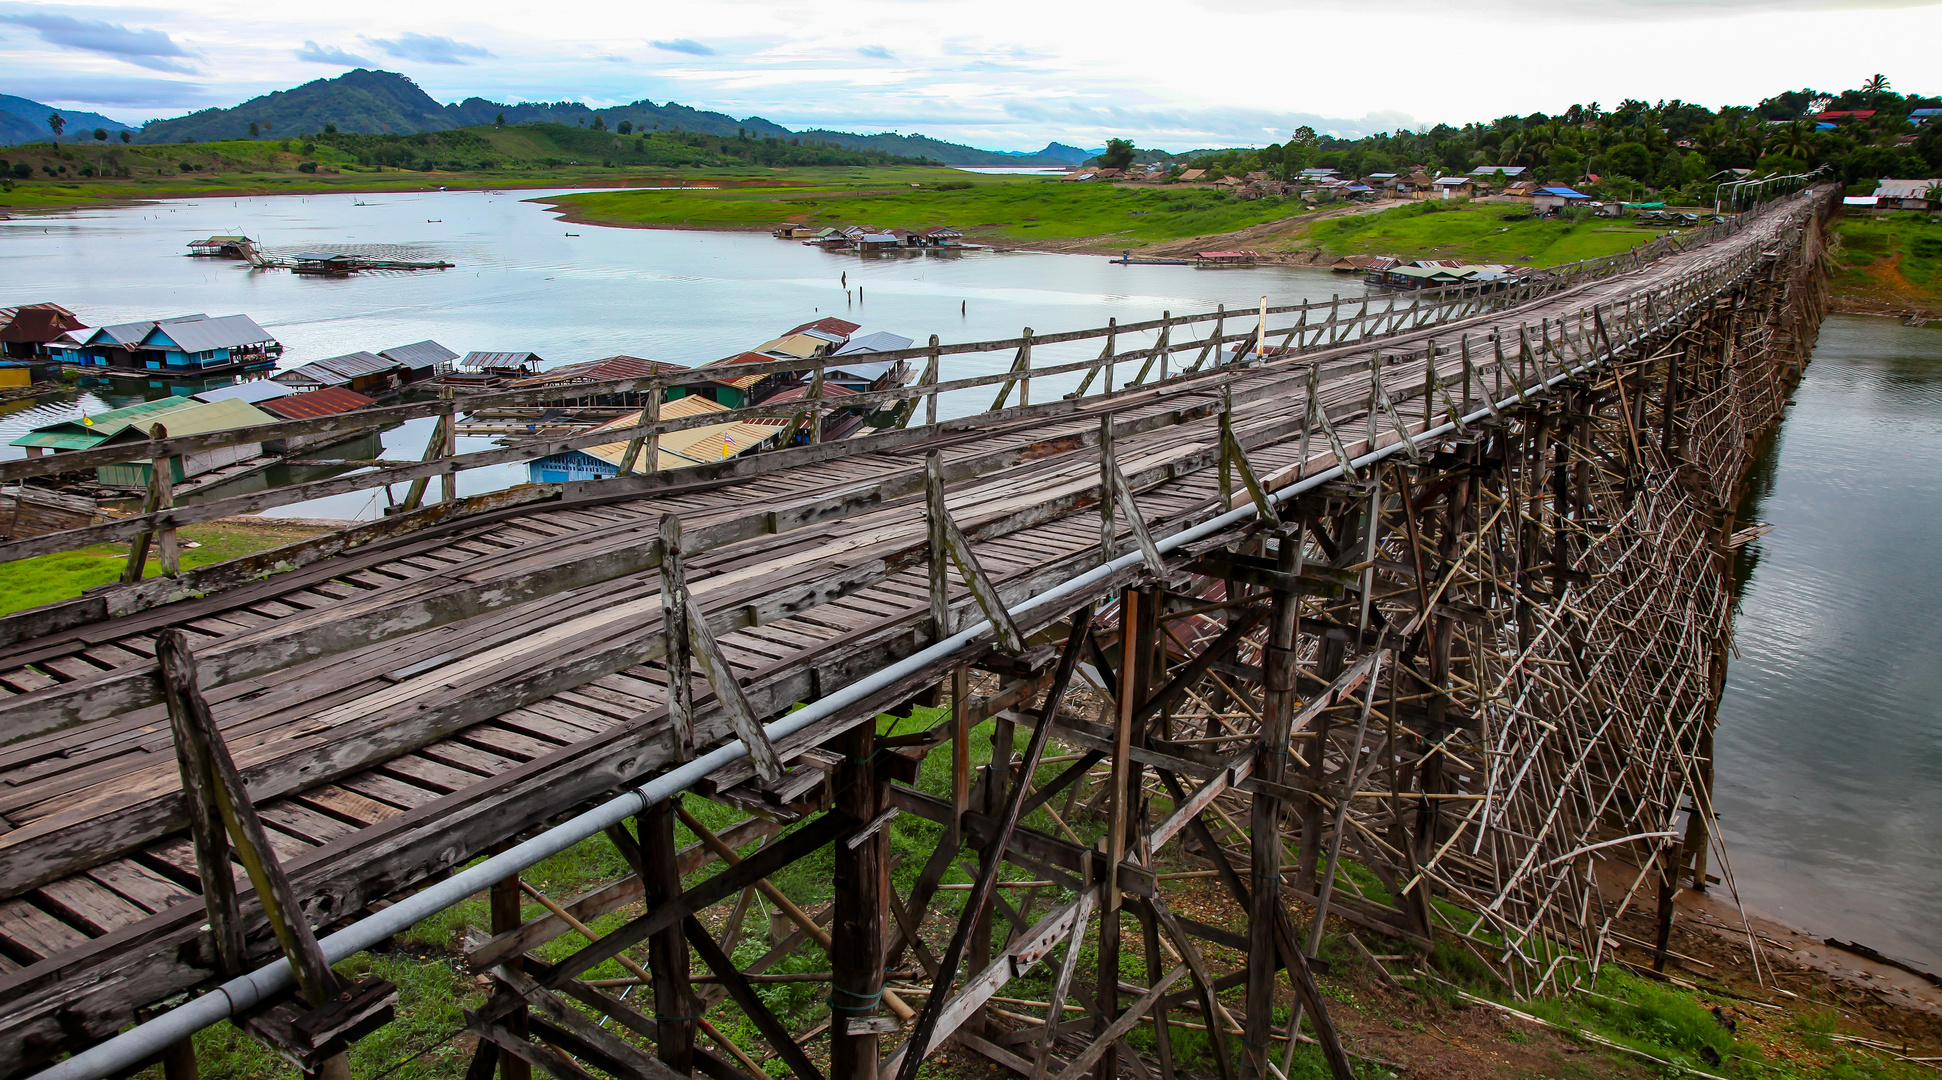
x=1002, y=210
x=1474, y=232
x=1889, y=265
x=44, y=579
x=46, y=176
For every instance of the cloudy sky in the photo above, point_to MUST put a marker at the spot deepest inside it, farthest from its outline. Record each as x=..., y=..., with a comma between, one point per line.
x=1004, y=74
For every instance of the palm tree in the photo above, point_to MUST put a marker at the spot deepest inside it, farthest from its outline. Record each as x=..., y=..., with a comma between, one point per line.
x=1754, y=138
x=1876, y=85
x=1797, y=140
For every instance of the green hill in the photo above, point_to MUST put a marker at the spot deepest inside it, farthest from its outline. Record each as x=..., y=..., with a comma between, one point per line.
x=386, y=103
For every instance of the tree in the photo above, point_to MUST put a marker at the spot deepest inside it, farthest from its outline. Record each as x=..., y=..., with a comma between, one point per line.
x=1118, y=155
x=100, y=134
x=499, y=121
x=624, y=127
x=56, y=123
x=599, y=123
x=254, y=131
x=331, y=129
x=1876, y=85
x=125, y=136
x=1630, y=159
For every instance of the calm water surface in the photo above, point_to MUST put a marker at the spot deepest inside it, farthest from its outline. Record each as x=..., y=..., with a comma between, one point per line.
x=523, y=283
x=1830, y=739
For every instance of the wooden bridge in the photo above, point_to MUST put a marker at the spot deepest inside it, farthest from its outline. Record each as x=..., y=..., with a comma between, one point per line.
x=1437, y=586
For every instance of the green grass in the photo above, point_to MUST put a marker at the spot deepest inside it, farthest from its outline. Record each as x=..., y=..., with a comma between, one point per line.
x=1892, y=258
x=45, y=579
x=1008, y=209
x=1476, y=232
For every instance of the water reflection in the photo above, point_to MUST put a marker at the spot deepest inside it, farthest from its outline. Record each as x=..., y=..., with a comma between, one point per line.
x=1830, y=741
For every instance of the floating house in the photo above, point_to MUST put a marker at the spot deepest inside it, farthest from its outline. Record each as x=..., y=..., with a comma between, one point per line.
x=857, y=373
x=1363, y=264
x=323, y=263
x=27, y=330
x=679, y=449
x=195, y=418
x=791, y=231
x=483, y=369
x=878, y=241
x=313, y=405
x=188, y=346
x=364, y=372
x=91, y=430
x=222, y=247
x=420, y=360
x=1226, y=258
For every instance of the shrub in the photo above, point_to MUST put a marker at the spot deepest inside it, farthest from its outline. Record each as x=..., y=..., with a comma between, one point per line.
x=307, y=167
x=954, y=185
x=22, y=170
x=186, y=167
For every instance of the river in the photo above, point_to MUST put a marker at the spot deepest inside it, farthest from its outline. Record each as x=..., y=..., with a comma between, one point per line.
x=1830, y=741
x=526, y=281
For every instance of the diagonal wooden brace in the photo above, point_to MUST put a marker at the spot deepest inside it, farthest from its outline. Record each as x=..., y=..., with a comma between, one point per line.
x=959, y=550
x=1233, y=456
x=728, y=691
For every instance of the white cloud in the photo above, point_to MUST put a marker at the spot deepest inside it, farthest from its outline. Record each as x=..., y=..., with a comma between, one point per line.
x=149, y=48
x=329, y=54
x=429, y=48
x=1013, y=74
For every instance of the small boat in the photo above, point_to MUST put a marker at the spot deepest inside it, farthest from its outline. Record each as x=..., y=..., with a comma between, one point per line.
x=573, y=234
x=360, y=202
x=434, y=221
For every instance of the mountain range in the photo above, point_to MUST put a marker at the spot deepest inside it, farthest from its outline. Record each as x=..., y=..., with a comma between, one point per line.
x=387, y=103
x=24, y=120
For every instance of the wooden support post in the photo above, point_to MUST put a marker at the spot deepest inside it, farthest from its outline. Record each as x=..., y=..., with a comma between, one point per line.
x=674, y=622
x=1121, y=792
x=675, y=1006
x=205, y=764
x=504, y=907
x=161, y=496
x=179, y=1061
x=437, y=447
x=932, y=373
x=960, y=753
x=862, y=884
x=1264, y=816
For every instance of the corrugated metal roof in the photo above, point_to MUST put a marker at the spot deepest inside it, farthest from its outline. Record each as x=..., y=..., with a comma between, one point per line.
x=799, y=393
x=420, y=354
x=795, y=346
x=337, y=370
x=740, y=382
x=252, y=392
x=1905, y=189
x=75, y=435
x=203, y=334
x=329, y=401
x=481, y=361
x=198, y=419
x=881, y=341
x=840, y=327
